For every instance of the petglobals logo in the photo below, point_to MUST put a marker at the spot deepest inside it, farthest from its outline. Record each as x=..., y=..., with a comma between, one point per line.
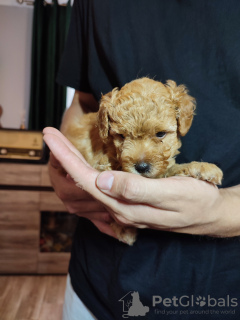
x=132, y=305
x=193, y=301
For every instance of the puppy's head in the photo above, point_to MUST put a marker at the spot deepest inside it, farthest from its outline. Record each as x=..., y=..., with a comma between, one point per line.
x=142, y=122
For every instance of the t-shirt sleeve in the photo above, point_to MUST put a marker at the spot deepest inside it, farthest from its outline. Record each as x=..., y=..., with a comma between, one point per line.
x=73, y=66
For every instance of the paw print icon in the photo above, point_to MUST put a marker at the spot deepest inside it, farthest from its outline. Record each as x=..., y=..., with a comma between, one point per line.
x=200, y=301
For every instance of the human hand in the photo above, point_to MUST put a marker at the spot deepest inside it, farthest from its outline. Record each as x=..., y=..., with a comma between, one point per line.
x=76, y=200
x=178, y=204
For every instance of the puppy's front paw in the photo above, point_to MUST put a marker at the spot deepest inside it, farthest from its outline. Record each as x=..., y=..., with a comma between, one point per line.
x=125, y=234
x=199, y=170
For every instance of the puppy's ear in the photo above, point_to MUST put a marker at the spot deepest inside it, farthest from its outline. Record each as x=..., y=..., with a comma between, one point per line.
x=103, y=122
x=106, y=105
x=184, y=104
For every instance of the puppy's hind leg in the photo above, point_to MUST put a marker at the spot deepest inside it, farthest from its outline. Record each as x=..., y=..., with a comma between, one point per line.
x=125, y=234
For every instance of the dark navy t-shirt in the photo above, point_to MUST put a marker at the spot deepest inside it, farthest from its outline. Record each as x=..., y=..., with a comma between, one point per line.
x=196, y=43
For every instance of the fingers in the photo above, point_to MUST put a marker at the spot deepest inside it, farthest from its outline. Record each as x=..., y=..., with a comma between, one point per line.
x=71, y=160
x=65, y=187
x=54, y=162
x=53, y=131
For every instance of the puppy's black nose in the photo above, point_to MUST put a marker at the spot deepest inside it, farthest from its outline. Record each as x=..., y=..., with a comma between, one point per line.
x=142, y=167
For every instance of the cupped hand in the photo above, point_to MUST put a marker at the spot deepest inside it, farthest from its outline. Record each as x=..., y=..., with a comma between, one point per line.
x=179, y=204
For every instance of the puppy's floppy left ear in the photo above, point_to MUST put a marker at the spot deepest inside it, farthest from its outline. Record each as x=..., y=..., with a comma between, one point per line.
x=184, y=104
x=103, y=122
x=106, y=105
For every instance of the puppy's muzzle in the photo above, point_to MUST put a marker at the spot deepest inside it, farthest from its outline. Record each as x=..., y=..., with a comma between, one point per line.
x=142, y=167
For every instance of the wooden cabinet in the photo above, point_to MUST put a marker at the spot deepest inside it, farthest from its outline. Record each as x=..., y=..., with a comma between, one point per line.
x=25, y=191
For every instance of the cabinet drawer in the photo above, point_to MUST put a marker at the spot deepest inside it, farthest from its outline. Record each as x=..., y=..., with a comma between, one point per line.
x=20, y=175
x=25, y=191
x=19, y=240
x=15, y=200
x=45, y=180
x=19, y=220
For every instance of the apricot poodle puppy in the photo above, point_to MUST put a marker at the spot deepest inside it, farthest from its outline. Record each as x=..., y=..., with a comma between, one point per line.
x=137, y=129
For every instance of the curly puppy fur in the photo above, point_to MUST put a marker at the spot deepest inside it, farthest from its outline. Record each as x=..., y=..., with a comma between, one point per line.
x=137, y=129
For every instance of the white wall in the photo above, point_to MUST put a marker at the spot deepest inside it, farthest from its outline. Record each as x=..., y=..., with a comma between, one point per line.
x=15, y=62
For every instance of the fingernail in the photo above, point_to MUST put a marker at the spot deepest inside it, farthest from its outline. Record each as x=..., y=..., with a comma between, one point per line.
x=105, y=181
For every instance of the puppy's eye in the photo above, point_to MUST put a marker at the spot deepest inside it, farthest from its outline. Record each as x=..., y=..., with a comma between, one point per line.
x=160, y=134
x=121, y=136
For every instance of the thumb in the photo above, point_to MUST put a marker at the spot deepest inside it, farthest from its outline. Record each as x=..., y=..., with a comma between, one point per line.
x=130, y=187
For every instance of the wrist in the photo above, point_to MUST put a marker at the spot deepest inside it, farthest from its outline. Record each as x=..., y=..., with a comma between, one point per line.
x=228, y=211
